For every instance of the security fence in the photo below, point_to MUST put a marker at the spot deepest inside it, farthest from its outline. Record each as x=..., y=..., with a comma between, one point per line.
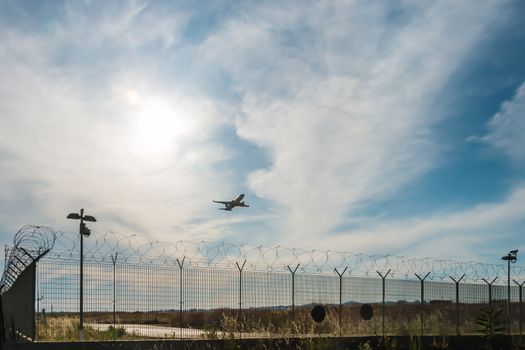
x=17, y=287
x=135, y=289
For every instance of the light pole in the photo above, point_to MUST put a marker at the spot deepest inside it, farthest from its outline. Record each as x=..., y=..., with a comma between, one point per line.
x=83, y=231
x=511, y=257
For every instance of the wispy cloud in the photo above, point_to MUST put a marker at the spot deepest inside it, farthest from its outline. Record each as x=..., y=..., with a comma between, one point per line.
x=456, y=234
x=118, y=142
x=124, y=108
x=342, y=133
x=507, y=127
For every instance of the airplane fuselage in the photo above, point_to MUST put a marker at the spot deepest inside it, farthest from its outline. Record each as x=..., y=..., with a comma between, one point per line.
x=229, y=205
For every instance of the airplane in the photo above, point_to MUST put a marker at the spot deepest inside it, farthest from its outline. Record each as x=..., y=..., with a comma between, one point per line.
x=229, y=205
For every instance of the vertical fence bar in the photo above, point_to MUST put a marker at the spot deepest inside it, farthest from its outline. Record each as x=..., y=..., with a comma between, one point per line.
x=489, y=284
x=181, y=265
x=114, y=260
x=340, y=297
x=422, y=281
x=520, y=286
x=239, y=321
x=508, y=293
x=38, y=298
x=383, y=301
x=457, y=301
x=81, y=289
x=293, y=294
x=147, y=289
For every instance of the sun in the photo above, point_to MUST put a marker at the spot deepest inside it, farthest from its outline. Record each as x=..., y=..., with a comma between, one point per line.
x=158, y=124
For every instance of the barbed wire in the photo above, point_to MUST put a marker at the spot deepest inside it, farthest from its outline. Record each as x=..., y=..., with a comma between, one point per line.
x=29, y=245
x=138, y=250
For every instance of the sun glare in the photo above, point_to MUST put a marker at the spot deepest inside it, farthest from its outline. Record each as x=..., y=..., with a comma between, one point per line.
x=159, y=124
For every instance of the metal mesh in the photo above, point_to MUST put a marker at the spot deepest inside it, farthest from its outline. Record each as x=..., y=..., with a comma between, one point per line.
x=225, y=291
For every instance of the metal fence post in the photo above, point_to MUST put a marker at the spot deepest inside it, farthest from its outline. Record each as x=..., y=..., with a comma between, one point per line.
x=383, y=302
x=340, y=296
x=38, y=298
x=457, y=301
x=293, y=293
x=520, y=285
x=239, y=321
x=422, y=280
x=181, y=265
x=489, y=284
x=114, y=260
x=81, y=288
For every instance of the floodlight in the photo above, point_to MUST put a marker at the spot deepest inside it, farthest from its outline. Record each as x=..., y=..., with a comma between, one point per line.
x=89, y=218
x=511, y=257
x=83, y=231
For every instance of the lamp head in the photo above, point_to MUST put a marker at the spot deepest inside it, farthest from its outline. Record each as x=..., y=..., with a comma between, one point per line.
x=73, y=216
x=89, y=218
x=512, y=256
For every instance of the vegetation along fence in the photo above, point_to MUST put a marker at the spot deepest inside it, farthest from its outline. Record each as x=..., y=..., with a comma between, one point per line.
x=135, y=289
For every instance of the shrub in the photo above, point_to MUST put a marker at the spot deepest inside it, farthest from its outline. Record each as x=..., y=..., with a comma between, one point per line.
x=490, y=323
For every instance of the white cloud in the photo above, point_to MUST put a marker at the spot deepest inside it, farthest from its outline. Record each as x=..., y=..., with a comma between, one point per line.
x=125, y=26
x=507, y=127
x=341, y=128
x=337, y=93
x=73, y=140
x=453, y=235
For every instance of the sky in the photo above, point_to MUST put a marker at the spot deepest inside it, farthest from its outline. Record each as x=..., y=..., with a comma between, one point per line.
x=372, y=127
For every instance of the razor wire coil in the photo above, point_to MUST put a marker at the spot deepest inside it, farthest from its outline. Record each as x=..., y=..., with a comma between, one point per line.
x=138, y=250
x=29, y=245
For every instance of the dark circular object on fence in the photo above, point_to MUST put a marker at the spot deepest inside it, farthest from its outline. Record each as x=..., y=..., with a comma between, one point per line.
x=366, y=312
x=318, y=314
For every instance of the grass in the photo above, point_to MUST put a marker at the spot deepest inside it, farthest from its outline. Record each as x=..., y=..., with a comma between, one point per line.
x=400, y=319
x=65, y=328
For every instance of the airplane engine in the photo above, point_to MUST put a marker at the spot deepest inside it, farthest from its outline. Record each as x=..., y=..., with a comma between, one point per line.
x=242, y=203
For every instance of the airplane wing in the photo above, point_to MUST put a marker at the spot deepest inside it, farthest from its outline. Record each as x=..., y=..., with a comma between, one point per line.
x=229, y=205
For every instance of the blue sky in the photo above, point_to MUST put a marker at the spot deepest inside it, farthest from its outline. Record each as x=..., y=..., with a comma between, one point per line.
x=387, y=128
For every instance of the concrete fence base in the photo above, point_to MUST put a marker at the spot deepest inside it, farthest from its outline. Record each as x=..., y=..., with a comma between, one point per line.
x=345, y=343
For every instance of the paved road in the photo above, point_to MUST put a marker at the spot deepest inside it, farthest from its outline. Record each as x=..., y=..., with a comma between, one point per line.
x=153, y=331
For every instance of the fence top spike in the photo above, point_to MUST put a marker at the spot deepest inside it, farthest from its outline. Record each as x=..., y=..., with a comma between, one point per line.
x=341, y=273
x=294, y=270
x=240, y=267
x=519, y=284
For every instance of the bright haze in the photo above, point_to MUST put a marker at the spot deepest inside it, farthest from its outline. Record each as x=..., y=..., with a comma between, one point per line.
x=373, y=127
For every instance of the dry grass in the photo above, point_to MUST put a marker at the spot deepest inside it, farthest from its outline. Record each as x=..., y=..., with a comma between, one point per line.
x=400, y=319
x=65, y=328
